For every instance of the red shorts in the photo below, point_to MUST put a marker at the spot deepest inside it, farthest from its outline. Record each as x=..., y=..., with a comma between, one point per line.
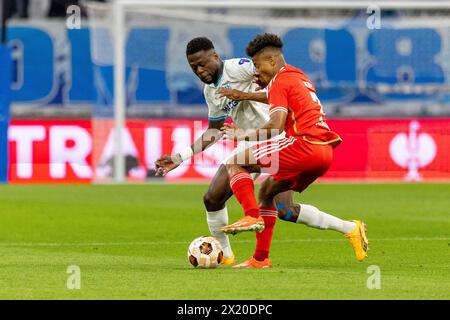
x=294, y=159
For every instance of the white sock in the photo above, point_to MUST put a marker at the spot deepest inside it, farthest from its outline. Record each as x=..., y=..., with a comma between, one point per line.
x=217, y=220
x=313, y=217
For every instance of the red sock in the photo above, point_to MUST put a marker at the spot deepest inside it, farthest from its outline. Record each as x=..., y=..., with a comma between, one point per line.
x=244, y=191
x=264, y=238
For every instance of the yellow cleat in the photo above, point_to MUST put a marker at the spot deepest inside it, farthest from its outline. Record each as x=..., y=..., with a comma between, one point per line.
x=230, y=261
x=358, y=239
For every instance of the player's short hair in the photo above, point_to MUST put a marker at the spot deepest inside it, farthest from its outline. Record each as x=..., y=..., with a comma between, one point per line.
x=263, y=41
x=198, y=44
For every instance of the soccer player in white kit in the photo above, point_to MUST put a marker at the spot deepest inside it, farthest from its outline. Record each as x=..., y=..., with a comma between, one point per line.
x=230, y=92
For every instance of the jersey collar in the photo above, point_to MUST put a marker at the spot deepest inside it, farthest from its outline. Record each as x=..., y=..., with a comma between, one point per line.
x=220, y=76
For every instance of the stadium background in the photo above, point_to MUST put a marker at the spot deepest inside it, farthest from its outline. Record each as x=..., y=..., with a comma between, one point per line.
x=384, y=90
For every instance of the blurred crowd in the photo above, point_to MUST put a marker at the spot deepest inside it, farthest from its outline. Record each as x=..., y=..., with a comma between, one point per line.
x=42, y=8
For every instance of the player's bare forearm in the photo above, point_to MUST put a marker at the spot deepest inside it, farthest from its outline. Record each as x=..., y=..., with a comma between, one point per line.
x=256, y=96
x=237, y=95
x=209, y=137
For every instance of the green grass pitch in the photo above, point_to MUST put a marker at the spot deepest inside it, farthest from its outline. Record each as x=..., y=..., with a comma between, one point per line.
x=130, y=242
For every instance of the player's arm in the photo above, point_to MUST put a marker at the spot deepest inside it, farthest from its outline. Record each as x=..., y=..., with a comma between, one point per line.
x=237, y=95
x=272, y=128
x=167, y=163
x=209, y=137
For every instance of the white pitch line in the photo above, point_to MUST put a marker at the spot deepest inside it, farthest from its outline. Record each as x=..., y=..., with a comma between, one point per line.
x=152, y=243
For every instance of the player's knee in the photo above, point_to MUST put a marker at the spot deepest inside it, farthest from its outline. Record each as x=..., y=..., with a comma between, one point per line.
x=288, y=213
x=212, y=203
x=232, y=169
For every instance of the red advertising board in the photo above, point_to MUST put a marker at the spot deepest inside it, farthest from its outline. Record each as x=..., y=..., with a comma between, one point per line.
x=80, y=151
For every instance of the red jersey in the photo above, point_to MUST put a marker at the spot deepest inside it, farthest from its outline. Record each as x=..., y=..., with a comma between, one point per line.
x=291, y=91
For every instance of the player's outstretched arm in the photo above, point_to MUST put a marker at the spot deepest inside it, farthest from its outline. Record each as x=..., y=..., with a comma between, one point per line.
x=167, y=163
x=237, y=95
x=209, y=137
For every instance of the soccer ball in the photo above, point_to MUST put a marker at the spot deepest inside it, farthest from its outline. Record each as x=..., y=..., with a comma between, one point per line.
x=205, y=252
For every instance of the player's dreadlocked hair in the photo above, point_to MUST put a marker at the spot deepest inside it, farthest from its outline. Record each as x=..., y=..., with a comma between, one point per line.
x=263, y=41
x=198, y=44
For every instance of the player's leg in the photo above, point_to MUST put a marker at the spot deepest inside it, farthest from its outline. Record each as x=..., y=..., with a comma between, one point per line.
x=308, y=214
x=311, y=216
x=284, y=202
x=214, y=199
x=269, y=189
x=218, y=193
x=241, y=183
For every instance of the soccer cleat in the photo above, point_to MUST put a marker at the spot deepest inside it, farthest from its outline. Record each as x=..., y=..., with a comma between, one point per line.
x=247, y=223
x=253, y=263
x=228, y=261
x=358, y=239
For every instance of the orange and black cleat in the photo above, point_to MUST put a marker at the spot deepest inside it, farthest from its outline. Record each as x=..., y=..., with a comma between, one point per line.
x=247, y=223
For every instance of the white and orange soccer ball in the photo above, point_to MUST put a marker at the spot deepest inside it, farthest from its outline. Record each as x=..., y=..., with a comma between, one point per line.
x=205, y=252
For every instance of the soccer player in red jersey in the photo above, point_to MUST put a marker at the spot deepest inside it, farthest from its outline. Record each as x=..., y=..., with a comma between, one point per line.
x=293, y=162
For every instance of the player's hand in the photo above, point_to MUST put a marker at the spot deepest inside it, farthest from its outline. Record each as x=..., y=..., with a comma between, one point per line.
x=232, y=94
x=167, y=163
x=232, y=132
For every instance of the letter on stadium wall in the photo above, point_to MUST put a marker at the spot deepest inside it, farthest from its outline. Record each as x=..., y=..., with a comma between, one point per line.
x=24, y=138
x=153, y=146
x=81, y=71
x=33, y=64
x=70, y=145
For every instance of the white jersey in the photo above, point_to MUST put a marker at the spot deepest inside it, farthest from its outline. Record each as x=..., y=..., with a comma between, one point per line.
x=237, y=74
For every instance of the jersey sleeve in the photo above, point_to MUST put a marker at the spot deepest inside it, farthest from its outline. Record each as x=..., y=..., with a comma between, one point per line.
x=278, y=96
x=215, y=113
x=243, y=69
